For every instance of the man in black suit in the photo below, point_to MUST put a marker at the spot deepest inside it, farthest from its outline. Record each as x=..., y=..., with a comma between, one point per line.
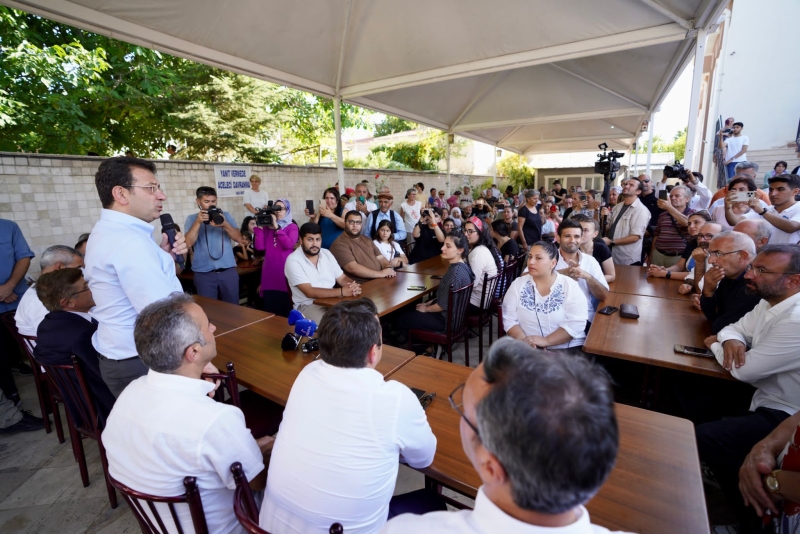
x=68, y=330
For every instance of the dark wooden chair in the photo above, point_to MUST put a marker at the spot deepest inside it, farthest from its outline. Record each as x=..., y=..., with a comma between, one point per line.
x=509, y=275
x=484, y=316
x=153, y=523
x=244, y=505
x=82, y=417
x=48, y=399
x=521, y=262
x=262, y=416
x=456, y=328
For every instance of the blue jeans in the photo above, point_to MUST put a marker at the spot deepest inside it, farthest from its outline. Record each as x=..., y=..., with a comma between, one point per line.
x=730, y=168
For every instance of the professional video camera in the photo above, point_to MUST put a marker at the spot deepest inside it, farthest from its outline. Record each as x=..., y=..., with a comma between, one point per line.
x=675, y=171
x=264, y=215
x=607, y=164
x=215, y=214
x=302, y=328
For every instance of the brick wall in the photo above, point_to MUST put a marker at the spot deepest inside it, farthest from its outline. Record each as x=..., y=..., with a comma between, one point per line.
x=54, y=200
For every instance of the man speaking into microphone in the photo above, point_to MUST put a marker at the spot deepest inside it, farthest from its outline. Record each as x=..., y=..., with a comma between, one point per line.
x=126, y=269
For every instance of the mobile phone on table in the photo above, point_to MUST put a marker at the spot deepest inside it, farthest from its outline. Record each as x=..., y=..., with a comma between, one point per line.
x=608, y=310
x=310, y=207
x=694, y=351
x=663, y=195
x=417, y=288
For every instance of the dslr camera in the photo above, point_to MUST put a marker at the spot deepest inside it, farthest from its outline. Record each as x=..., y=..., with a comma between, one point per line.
x=215, y=214
x=264, y=215
x=675, y=171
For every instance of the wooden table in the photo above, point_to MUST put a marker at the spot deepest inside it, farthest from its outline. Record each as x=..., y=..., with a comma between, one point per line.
x=390, y=294
x=262, y=366
x=229, y=317
x=436, y=266
x=650, y=339
x=633, y=280
x=655, y=486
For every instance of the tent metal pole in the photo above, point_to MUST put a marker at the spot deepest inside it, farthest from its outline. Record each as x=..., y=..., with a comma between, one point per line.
x=636, y=159
x=694, y=103
x=337, y=123
x=649, y=147
x=448, y=163
x=494, y=171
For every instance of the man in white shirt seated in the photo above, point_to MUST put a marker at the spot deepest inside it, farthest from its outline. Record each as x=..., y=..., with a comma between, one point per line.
x=30, y=310
x=760, y=349
x=164, y=426
x=343, y=431
x=521, y=396
x=312, y=273
x=580, y=267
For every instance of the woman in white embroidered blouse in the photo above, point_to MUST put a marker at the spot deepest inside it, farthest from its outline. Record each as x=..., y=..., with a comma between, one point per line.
x=545, y=308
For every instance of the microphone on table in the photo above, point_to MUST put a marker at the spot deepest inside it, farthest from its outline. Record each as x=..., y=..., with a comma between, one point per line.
x=302, y=328
x=168, y=227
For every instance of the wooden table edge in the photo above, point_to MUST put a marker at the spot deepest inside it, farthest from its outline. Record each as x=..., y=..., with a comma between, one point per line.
x=393, y=371
x=721, y=373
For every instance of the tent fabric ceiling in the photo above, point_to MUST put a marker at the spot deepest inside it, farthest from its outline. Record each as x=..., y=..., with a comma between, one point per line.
x=526, y=75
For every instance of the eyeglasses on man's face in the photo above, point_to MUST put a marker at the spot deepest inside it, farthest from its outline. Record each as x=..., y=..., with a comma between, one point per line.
x=705, y=237
x=153, y=188
x=758, y=271
x=354, y=222
x=456, y=399
x=717, y=253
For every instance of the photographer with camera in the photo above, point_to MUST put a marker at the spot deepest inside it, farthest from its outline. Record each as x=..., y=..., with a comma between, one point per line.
x=276, y=234
x=210, y=232
x=428, y=236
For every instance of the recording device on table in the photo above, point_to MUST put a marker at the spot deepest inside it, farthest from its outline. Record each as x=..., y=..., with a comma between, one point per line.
x=168, y=227
x=608, y=310
x=214, y=214
x=425, y=399
x=628, y=311
x=310, y=207
x=264, y=215
x=694, y=351
x=302, y=328
x=743, y=196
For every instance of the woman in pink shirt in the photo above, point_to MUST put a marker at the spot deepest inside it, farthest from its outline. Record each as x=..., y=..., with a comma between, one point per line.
x=277, y=241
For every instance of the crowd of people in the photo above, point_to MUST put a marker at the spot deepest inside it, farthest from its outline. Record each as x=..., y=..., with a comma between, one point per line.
x=143, y=344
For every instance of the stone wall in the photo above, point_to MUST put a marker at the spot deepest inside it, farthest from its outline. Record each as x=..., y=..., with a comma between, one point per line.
x=54, y=200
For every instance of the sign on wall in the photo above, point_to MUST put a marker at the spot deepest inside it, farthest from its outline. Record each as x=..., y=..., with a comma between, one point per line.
x=231, y=181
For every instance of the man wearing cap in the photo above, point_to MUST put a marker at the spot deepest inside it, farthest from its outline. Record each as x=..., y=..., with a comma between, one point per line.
x=384, y=212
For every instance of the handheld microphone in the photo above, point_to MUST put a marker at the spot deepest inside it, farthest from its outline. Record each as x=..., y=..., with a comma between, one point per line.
x=168, y=227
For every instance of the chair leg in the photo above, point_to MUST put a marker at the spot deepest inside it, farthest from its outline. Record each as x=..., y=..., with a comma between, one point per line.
x=466, y=347
x=491, y=318
x=500, y=332
x=112, y=493
x=80, y=454
x=480, y=343
x=57, y=420
x=450, y=351
x=42, y=406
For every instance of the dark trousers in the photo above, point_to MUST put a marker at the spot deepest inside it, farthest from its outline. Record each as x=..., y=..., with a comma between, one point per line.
x=117, y=374
x=277, y=302
x=723, y=446
x=222, y=285
x=416, y=502
x=703, y=399
x=9, y=353
x=415, y=320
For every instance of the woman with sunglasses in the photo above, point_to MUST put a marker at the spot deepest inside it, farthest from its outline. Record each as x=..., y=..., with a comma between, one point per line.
x=277, y=240
x=543, y=307
x=484, y=258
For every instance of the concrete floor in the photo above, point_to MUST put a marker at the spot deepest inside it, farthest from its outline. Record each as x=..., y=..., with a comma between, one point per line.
x=41, y=490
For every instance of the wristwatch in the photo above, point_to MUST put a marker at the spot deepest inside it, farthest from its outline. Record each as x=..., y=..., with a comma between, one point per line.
x=668, y=275
x=611, y=244
x=772, y=482
x=764, y=212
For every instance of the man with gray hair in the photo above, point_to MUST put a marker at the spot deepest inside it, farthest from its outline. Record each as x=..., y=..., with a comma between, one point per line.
x=164, y=426
x=517, y=397
x=725, y=299
x=31, y=311
x=672, y=228
x=759, y=230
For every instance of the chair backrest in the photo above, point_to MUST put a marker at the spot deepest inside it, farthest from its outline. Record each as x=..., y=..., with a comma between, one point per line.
x=26, y=343
x=521, y=263
x=153, y=523
x=457, y=302
x=228, y=382
x=488, y=292
x=244, y=505
x=509, y=274
x=69, y=381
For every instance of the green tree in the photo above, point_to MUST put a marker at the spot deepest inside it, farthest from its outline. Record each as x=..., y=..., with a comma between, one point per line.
x=677, y=146
x=515, y=169
x=391, y=125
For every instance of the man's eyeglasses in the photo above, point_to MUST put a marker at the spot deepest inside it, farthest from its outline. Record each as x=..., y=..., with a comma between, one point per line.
x=705, y=237
x=354, y=222
x=456, y=399
x=760, y=270
x=153, y=188
x=79, y=292
x=717, y=253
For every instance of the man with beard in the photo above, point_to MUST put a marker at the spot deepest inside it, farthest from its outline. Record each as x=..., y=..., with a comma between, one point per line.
x=312, y=273
x=626, y=225
x=582, y=268
x=357, y=255
x=759, y=349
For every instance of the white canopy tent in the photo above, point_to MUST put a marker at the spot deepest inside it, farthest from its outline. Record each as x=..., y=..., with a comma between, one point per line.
x=530, y=76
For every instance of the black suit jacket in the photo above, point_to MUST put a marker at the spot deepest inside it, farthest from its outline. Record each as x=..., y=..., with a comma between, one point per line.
x=62, y=334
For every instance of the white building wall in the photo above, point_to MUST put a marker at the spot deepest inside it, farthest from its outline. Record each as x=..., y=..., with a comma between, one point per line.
x=761, y=79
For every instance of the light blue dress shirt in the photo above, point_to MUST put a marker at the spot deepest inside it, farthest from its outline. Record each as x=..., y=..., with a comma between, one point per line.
x=126, y=271
x=213, y=249
x=13, y=248
x=400, y=226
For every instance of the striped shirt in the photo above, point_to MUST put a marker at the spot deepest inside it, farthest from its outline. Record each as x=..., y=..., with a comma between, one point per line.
x=672, y=237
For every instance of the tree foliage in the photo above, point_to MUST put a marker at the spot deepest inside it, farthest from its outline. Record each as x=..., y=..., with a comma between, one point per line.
x=516, y=171
x=677, y=146
x=392, y=125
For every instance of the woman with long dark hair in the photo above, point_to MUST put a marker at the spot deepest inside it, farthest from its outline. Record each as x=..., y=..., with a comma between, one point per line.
x=244, y=250
x=543, y=307
x=277, y=241
x=484, y=258
x=329, y=216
